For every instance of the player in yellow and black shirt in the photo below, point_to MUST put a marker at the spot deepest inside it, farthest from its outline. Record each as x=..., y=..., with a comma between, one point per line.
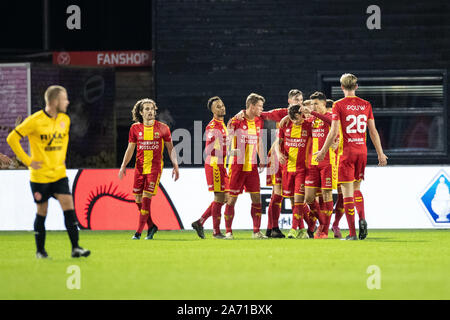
x=48, y=134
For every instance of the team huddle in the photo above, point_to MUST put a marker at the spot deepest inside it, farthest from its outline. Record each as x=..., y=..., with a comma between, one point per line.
x=316, y=151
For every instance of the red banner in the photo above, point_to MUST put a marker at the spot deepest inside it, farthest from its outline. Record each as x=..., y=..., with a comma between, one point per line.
x=139, y=58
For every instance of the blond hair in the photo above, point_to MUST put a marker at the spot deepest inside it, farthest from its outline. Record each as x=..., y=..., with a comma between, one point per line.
x=137, y=109
x=253, y=98
x=294, y=92
x=52, y=93
x=349, y=81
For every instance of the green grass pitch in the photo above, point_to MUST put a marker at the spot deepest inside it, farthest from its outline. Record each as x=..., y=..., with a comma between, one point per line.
x=413, y=264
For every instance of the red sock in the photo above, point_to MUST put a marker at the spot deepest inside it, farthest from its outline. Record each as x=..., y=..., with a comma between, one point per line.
x=296, y=215
x=328, y=206
x=270, y=213
x=277, y=201
x=349, y=208
x=255, y=212
x=206, y=214
x=145, y=214
x=339, y=211
x=147, y=203
x=215, y=212
x=228, y=215
x=321, y=202
x=320, y=214
x=300, y=211
x=359, y=204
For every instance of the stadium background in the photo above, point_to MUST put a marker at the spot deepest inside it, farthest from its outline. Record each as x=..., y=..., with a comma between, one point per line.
x=231, y=48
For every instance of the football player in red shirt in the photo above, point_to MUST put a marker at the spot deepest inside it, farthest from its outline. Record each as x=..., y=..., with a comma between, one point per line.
x=216, y=174
x=149, y=136
x=353, y=116
x=294, y=137
x=243, y=173
x=320, y=174
x=274, y=170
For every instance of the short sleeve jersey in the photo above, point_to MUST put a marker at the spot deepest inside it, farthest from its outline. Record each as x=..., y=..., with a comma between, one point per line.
x=353, y=113
x=149, y=142
x=295, y=144
x=216, y=142
x=49, y=138
x=246, y=139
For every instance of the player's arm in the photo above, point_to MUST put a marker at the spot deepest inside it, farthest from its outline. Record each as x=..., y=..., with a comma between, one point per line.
x=324, y=117
x=173, y=158
x=261, y=154
x=334, y=131
x=375, y=137
x=231, y=136
x=126, y=159
x=13, y=140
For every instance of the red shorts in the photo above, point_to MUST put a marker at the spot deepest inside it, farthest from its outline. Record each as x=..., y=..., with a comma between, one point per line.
x=351, y=167
x=146, y=184
x=293, y=182
x=274, y=170
x=243, y=179
x=216, y=177
x=320, y=176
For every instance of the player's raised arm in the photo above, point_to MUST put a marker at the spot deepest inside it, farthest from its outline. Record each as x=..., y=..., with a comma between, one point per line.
x=375, y=137
x=126, y=159
x=173, y=158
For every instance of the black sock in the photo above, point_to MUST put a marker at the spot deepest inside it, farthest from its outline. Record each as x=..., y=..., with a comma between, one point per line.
x=72, y=227
x=39, y=232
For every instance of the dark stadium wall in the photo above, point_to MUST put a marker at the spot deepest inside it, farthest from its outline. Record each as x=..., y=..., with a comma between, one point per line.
x=91, y=94
x=232, y=48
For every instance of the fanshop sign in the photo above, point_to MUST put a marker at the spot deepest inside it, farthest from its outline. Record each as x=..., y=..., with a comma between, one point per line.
x=137, y=58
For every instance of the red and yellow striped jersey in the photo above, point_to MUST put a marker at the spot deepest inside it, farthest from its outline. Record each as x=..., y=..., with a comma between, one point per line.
x=149, y=142
x=295, y=144
x=319, y=133
x=246, y=139
x=216, y=142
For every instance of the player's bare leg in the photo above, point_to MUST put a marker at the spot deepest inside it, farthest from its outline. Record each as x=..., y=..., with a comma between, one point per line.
x=310, y=199
x=359, y=205
x=71, y=223
x=349, y=208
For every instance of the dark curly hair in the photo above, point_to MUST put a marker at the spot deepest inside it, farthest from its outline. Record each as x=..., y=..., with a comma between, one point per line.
x=137, y=109
x=293, y=110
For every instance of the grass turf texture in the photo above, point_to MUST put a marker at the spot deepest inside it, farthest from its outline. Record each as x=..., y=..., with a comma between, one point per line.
x=414, y=264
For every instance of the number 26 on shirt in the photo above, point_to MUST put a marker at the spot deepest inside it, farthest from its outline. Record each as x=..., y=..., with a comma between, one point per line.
x=360, y=122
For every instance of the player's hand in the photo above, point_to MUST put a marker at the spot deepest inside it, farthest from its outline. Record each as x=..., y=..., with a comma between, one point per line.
x=175, y=174
x=319, y=156
x=305, y=110
x=122, y=172
x=261, y=167
x=5, y=159
x=335, y=144
x=240, y=115
x=36, y=165
x=382, y=160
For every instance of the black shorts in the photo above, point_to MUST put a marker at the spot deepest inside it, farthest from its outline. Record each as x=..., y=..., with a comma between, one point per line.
x=44, y=191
